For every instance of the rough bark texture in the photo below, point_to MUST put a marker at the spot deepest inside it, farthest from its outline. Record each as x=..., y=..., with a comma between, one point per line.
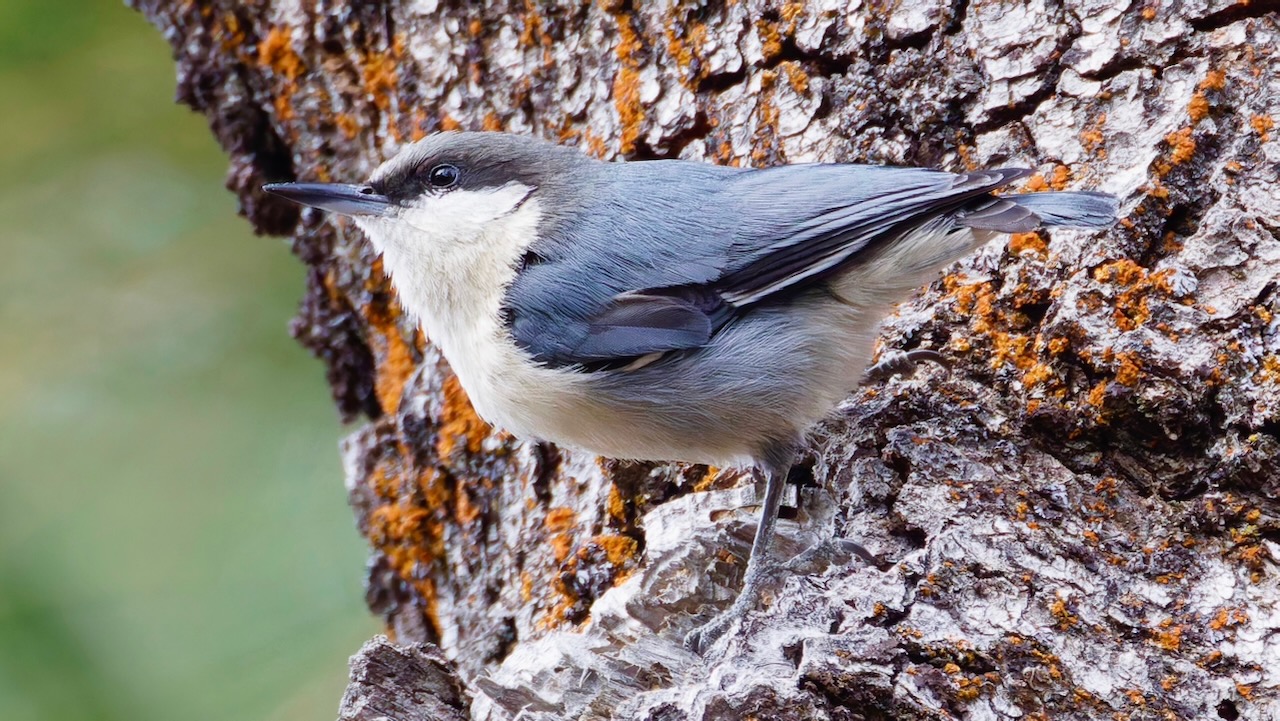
x=1079, y=519
x=393, y=682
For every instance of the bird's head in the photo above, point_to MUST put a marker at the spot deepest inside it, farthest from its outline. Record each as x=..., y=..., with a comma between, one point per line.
x=445, y=190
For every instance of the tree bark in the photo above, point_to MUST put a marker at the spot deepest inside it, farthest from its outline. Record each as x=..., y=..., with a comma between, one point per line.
x=1078, y=518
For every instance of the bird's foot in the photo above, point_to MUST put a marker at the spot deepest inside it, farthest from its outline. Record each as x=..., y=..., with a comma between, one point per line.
x=833, y=550
x=703, y=637
x=897, y=361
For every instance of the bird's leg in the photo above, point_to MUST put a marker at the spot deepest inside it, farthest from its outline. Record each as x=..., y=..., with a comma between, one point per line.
x=896, y=361
x=775, y=472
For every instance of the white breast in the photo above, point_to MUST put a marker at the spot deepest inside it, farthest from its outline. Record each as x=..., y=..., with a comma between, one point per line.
x=451, y=260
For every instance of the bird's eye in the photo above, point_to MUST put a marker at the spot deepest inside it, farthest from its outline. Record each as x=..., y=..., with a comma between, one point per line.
x=443, y=176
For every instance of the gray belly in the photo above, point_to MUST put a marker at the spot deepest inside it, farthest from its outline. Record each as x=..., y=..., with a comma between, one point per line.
x=763, y=380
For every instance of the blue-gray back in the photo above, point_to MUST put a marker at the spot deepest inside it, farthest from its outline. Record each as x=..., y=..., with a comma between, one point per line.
x=656, y=256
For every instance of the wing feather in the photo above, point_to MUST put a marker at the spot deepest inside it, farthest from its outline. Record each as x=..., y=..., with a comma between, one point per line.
x=668, y=252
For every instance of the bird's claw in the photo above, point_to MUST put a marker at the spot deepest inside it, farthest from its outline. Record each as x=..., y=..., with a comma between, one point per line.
x=703, y=637
x=897, y=361
x=834, y=550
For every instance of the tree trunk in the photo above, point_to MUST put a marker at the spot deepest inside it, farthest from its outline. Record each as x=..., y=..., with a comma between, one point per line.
x=1078, y=518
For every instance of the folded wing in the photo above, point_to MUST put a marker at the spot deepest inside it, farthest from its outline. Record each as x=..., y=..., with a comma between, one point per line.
x=668, y=255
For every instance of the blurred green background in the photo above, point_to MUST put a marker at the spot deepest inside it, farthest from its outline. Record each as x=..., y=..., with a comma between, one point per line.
x=174, y=538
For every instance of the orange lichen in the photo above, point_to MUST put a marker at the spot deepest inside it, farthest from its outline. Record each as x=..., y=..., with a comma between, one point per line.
x=1262, y=125
x=616, y=506
x=228, y=33
x=796, y=76
x=626, y=84
x=1213, y=80
x=380, y=76
x=436, y=488
x=1097, y=394
x=349, y=126
x=384, y=485
x=707, y=481
x=392, y=353
x=395, y=366
x=770, y=39
x=449, y=123
x=561, y=545
x=1037, y=374
x=1254, y=557
x=1058, y=346
x=767, y=112
x=791, y=14
x=1228, y=617
x=560, y=519
x=1131, y=306
x=1091, y=138
x=284, y=108
x=491, y=122
x=1169, y=637
x=685, y=39
x=1011, y=348
x=1120, y=272
x=1061, y=176
x=1020, y=243
x=1182, y=145
x=1129, y=371
x=1059, y=610
x=1270, y=370
x=459, y=422
x=465, y=511
x=418, y=130
x=595, y=144
x=1198, y=108
x=1035, y=184
x=532, y=34
x=397, y=524
x=617, y=549
x=409, y=539
x=1148, y=13
x=724, y=154
x=276, y=52
x=978, y=301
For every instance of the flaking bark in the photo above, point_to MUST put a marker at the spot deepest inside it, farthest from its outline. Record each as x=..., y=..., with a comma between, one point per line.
x=1078, y=519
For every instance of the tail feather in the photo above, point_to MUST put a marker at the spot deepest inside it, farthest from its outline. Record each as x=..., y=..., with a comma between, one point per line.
x=1023, y=213
x=1078, y=210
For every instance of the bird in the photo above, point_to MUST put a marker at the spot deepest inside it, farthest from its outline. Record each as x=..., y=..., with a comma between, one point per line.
x=669, y=310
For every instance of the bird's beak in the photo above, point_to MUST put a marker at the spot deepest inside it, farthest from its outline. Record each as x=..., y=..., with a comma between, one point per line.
x=333, y=197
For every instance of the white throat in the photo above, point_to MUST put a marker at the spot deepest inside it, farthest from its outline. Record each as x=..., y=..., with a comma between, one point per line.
x=451, y=259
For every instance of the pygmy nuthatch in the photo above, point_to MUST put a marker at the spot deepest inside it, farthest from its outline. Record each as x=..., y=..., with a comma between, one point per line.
x=668, y=310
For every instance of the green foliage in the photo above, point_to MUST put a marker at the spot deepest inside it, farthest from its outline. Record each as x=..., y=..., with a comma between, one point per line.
x=174, y=539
